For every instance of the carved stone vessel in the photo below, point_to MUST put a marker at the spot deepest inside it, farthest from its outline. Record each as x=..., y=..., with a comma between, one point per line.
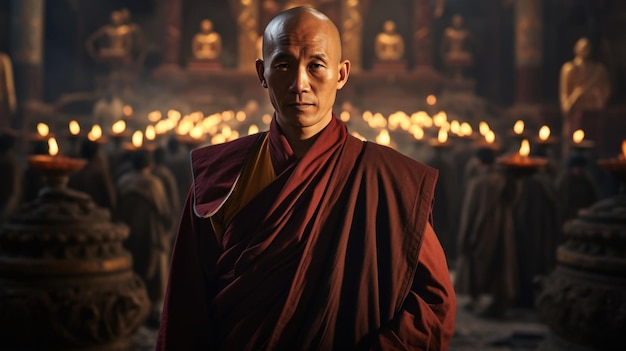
x=66, y=282
x=583, y=300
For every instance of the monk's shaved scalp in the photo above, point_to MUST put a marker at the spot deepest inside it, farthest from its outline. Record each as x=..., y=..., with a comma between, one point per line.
x=287, y=21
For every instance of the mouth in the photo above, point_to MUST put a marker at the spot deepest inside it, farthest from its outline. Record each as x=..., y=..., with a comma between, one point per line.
x=300, y=105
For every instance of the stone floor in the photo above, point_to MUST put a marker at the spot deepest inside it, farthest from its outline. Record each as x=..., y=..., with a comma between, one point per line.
x=520, y=331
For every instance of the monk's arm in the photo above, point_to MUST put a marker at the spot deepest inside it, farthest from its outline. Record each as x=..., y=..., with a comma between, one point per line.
x=186, y=324
x=426, y=321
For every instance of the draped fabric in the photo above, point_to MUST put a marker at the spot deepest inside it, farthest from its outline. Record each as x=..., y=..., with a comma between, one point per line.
x=327, y=256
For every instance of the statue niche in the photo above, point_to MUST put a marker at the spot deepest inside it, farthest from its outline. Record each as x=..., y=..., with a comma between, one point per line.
x=389, y=49
x=455, y=48
x=206, y=48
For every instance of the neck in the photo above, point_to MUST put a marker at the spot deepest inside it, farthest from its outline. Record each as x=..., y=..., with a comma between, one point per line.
x=301, y=146
x=301, y=139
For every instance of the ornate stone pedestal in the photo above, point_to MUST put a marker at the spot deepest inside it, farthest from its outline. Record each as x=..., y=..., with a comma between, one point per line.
x=389, y=66
x=204, y=65
x=583, y=300
x=66, y=282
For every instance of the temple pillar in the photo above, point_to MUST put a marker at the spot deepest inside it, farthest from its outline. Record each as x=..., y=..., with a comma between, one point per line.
x=352, y=33
x=422, y=34
x=528, y=51
x=249, y=38
x=27, y=47
x=172, y=35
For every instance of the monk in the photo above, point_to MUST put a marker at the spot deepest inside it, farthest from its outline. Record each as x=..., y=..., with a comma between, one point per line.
x=304, y=237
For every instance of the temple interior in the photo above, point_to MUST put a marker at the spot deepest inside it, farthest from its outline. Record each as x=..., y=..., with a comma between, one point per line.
x=539, y=84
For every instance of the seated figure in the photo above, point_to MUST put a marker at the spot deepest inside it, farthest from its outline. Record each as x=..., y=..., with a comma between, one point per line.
x=206, y=48
x=207, y=44
x=389, y=48
x=112, y=41
x=455, y=47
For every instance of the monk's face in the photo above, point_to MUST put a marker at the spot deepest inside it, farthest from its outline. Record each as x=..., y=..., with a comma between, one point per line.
x=302, y=71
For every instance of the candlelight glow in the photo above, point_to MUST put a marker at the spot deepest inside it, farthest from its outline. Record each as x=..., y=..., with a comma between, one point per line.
x=455, y=127
x=196, y=132
x=267, y=118
x=240, y=116
x=74, y=127
x=344, y=116
x=150, y=132
x=173, y=115
x=137, y=139
x=624, y=148
x=544, y=133
x=154, y=116
x=417, y=132
x=431, y=100
x=95, y=133
x=53, y=147
x=578, y=136
x=440, y=119
x=253, y=129
x=119, y=127
x=483, y=128
x=383, y=137
x=518, y=128
x=524, y=149
x=442, y=136
x=490, y=136
x=127, y=110
x=43, y=129
x=466, y=129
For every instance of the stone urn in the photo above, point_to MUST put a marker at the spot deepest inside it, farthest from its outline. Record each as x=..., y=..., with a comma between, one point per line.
x=66, y=282
x=583, y=301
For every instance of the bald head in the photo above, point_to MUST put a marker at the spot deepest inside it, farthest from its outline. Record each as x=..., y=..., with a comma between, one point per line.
x=279, y=29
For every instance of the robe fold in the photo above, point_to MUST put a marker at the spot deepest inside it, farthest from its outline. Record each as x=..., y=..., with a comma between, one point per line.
x=336, y=253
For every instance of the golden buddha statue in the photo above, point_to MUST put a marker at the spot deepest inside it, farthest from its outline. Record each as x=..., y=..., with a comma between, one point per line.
x=584, y=84
x=389, y=44
x=455, y=43
x=207, y=44
x=112, y=41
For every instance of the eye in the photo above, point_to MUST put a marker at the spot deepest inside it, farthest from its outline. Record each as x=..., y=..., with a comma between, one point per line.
x=281, y=67
x=315, y=66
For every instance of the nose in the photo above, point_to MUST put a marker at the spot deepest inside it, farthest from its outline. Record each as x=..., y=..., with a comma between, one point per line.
x=300, y=82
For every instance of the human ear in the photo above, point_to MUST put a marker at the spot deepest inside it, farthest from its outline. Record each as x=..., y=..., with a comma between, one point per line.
x=344, y=72
x=260, y=71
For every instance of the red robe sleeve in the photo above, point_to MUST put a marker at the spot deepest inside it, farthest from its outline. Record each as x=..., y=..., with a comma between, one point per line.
x=426, y=321
x=185, y=323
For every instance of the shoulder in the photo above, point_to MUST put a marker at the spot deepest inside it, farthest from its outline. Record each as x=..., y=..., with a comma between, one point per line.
x=208, y=155
x=384, y=158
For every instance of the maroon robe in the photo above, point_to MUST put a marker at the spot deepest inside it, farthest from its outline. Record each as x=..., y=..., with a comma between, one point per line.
x=325, y=257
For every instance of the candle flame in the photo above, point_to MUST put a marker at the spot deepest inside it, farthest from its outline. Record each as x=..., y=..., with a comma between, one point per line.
x=241, y=116
x=431, y=100
x=383, y=137
x=524, y=149
x=137, y=139
x=518, y=128
x=53, y=147
x=154, y=116
x=95, y=133
x=466, y=129
x=544, y=133
x=417, y=131
x=74, y=127
x=119, y=127
x=43, y=129
x=490, y=137
x=127, y=110
x=455, y=127
x=150, y=132
x=483, y=128
x=196, y=132
x=345, y=116
x=253, y=129
x=267, y=118
x=578, y=136
x=624, y=148
x=442, y=136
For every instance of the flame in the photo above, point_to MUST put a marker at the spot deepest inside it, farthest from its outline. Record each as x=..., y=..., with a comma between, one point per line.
x=623, y=148
x=417, y=131
x=253, y=129
x=483, y=128
x=344, y=116
x=196, y=132
x=455, y=127
x=267, y=118
x=173, y=115
x=137, y=139
x=95, y=133
x=43, y=129
x=578, y=136
x=466, y=129
x=431, y=100
x=241, y=116
x=74, y=127
x=53, y=147
x=524, y=149
x=518, y=128
x=119, y=127
x=490, y=136
x=440, y=119
x=544, y=133
x=150, y=132
x=127, y=110
x=383, y=137
x=154, y=116
x=442, y=136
